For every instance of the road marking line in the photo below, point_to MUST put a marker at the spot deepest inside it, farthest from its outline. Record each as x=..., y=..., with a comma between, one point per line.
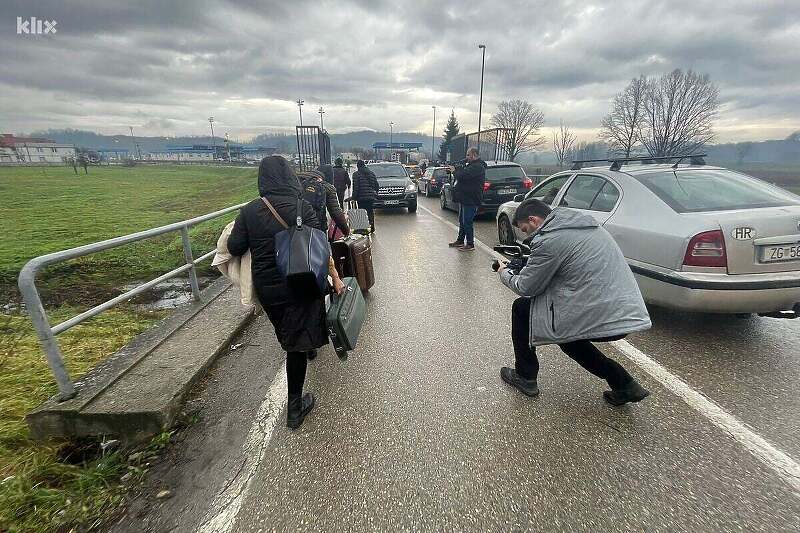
x=226, y=505
x=779, y=462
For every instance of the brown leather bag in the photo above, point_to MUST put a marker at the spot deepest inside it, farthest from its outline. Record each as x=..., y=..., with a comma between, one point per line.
x=353, y=258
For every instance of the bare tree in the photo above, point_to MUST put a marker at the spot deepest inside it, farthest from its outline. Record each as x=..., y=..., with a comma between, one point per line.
x=620, y=128
x=524, y=121
x=563, y=141
x=679, y=109
x=592, y=150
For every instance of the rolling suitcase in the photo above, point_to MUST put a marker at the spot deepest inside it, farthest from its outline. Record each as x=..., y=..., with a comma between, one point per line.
x=353, y=258
x=345, y=316
x=359, y=220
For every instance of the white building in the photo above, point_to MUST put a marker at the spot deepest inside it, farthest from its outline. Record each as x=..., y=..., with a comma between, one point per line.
x=33, y=150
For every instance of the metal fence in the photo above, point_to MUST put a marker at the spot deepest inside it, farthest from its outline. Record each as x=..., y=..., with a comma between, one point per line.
x=47, y=333
x=313, y=147
x=493, y=144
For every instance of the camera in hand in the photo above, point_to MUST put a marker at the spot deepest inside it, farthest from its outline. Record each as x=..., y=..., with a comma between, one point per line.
x=517, y=255
x=515, y=265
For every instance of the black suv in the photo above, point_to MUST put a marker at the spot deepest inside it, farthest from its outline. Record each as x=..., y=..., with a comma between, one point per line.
x=504, y=180
x=396, y=189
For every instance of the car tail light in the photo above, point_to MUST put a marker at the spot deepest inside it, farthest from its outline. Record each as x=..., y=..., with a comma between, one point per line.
x=486, y=186
x=706, y=250
x=527, y=183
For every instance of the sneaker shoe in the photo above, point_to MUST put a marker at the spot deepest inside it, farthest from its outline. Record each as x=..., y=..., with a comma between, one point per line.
x=467, y=248
x=455, y=244
x=631, y=393
x=528, y=387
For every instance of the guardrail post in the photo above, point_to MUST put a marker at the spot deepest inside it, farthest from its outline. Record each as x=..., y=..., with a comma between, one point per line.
x=187, y=253
x=33, y=304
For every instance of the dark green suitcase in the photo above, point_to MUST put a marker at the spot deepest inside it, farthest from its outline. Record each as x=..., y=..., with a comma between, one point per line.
x=345, y=317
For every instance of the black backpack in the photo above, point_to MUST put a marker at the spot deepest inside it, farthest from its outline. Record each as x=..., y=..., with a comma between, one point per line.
x=315, y=194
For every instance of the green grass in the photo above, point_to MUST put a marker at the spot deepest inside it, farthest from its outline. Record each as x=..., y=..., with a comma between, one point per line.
x=49, y=209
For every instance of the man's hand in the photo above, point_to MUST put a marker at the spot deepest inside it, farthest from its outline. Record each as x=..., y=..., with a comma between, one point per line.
x=338, y=286
x=503, y=266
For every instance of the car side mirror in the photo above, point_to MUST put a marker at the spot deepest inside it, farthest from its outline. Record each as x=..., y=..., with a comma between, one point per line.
x=519, y=197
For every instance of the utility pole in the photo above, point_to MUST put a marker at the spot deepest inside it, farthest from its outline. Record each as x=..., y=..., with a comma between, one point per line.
x=213, y=140
x=433, y=132
x=391, y=140
x=300, y=107
x=321, y=123
x=228, y=146
x=480, y=101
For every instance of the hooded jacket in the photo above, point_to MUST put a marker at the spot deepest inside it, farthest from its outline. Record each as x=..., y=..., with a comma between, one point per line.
x=256, y=227
x=365, y=185
x=469, y=180
x=579, y=281
x=341, y=178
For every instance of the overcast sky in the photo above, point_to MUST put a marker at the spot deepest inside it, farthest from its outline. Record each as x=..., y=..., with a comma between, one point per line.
x=164, y=67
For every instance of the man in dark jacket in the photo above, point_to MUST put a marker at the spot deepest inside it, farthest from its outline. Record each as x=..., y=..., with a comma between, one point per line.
x=468, y=193
x=365, y=190
x=341, y=180
x=322, y=195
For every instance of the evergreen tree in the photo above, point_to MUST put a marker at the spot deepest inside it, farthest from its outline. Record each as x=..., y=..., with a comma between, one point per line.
x=450, y=131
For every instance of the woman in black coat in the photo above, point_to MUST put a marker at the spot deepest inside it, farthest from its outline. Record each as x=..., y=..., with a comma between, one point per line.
x=299, y=325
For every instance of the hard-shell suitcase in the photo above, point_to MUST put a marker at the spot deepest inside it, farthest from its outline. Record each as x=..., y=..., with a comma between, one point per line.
x=345, y=316
x=353, y=258
x=359, y=219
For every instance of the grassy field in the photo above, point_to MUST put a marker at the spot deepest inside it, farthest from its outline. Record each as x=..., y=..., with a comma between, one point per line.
x=50, y=486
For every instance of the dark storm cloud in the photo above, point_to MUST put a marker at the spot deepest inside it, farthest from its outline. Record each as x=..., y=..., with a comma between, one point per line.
x=168, y=65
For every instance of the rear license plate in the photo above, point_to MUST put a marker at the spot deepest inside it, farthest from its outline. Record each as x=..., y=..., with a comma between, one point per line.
x=391, y=202
x=781, y=252
x=507, y=191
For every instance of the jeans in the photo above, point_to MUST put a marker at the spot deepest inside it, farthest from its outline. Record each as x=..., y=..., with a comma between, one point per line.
x=466, y=228
x=583, y=352
x=368, y=205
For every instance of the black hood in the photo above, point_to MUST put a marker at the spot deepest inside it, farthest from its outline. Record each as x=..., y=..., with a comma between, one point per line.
x=327, y=171
x=276, y=178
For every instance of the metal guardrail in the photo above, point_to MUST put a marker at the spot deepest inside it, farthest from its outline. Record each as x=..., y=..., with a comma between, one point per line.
x=47, y=334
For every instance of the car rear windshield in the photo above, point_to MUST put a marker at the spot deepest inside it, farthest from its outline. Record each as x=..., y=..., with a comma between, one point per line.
x=502, y=173
x=695, y=190
x=389, y=171
x=439, y=173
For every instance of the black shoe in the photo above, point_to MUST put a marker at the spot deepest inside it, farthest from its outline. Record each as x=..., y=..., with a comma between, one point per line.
x=298, y=408
x=311, y=355
x=633, y=392
x=455, y=244
x=467, y=248
x=528, y=387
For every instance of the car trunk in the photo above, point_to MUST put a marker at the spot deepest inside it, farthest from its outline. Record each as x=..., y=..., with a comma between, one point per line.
x=504, y=184
x=760, y=240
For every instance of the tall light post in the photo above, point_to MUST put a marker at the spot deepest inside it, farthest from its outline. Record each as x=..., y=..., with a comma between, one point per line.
x=213, y=140
x=391, y=140
x=300, y=107
x=480, y=100
x=433, y=131
x=321, y=123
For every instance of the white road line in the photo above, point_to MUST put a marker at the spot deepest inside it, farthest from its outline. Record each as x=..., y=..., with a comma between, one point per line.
x=226, y=505
x=779, y=462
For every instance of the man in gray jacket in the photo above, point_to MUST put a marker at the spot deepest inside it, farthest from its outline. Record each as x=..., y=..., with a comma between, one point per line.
x=575, y=289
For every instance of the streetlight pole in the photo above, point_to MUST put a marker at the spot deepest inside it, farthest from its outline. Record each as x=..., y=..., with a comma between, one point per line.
x=213, y=140
x=391, y=140
x=433, y=131
x=480, y=101
x=300, y=107
x=321, y=123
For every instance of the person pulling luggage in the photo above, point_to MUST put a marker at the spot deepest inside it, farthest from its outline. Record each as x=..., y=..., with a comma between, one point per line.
x=322, y=195
x=299, y=324
x=365, y=190
x=575, y=289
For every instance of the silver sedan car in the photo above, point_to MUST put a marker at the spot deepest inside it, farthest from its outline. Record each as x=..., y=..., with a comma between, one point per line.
x=697, y=237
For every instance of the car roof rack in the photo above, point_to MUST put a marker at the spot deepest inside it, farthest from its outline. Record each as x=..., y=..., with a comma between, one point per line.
x=616, y=163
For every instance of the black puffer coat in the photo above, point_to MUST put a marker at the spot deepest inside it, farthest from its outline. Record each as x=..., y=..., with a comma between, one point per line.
x=365, y=185
x=302, y=324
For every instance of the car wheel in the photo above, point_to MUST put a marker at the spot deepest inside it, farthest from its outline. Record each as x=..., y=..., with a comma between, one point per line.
x=427, y=191
x=505, y=232
x=443, y=200
x=412, y=208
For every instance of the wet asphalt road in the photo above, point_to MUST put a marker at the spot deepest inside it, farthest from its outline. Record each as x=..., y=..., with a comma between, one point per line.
x=417, y=432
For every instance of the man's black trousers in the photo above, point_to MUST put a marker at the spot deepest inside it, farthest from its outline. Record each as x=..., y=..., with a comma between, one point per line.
x=584, y=353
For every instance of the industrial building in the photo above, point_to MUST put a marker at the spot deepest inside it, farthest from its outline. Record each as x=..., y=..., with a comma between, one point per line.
x=33, y=150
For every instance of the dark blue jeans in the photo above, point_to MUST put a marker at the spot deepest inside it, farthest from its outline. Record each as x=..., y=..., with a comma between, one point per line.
x=466, y=229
